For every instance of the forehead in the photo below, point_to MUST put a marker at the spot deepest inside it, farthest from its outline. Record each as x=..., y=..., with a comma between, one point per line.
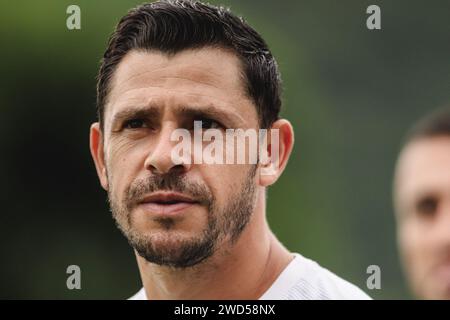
x=424, y=167
x=206, y=76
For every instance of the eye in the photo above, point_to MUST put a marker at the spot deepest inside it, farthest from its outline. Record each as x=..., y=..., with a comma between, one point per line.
x=427, y=206
x=210, y=124
x=134, y=124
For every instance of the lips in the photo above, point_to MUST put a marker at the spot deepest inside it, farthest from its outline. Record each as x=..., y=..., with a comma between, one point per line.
x=167, y=203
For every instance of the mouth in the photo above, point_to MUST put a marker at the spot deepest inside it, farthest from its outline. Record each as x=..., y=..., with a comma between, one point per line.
x=167, y=203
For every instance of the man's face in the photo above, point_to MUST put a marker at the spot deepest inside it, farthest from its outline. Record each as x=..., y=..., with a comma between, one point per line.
x=175, y=215
x=423, y=213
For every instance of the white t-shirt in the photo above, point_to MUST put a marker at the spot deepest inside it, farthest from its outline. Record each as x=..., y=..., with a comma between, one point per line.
x=303, y=279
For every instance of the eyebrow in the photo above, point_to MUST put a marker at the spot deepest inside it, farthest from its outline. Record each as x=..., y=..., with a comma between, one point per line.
x=134, y=112
x=209, y=111
x=212, y=111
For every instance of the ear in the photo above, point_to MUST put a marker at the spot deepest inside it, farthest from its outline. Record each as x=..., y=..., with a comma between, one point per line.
x=280, y=141
x=96, y=146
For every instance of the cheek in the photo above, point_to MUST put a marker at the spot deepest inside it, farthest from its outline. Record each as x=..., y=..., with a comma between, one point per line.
x=124, y=163
x=415, y=246
x=225, y=180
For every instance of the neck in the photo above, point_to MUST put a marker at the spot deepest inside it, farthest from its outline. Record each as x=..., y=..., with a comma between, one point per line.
x=244, y=270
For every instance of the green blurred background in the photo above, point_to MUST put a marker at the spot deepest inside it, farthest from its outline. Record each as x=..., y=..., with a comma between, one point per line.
x=351, y=94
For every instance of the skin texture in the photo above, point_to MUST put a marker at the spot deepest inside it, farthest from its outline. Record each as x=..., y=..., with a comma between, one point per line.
x=422, y=200
x=202, y=79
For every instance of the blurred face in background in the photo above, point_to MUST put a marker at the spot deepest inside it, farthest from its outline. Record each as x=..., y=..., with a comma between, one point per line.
x=422, y=200
x=197, y=207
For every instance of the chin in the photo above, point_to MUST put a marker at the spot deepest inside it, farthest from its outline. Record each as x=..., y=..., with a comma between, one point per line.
x=173, y=249
x=172, y=239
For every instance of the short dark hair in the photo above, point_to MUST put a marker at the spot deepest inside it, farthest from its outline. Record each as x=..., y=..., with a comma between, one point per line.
x=173, y=26
x=435, y=124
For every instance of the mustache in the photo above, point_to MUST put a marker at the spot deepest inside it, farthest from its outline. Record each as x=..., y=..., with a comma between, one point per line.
x=170, y=181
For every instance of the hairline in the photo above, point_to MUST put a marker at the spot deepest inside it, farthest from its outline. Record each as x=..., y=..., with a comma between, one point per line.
x=111, y=82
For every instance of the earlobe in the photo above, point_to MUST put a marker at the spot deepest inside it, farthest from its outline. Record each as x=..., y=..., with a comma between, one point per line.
x=268, y=171
x=97, y=153
x=279, y=148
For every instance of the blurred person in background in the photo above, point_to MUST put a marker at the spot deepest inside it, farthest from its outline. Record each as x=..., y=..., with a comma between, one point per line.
x=422, y=205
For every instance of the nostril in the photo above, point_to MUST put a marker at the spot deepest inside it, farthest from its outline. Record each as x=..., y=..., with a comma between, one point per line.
x=163, y=167
x=179, y=168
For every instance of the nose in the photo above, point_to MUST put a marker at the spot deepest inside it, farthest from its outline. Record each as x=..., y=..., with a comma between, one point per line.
x=159, y=159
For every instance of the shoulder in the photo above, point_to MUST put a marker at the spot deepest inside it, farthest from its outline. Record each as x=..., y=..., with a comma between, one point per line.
x=306, y=279
x=140, y=295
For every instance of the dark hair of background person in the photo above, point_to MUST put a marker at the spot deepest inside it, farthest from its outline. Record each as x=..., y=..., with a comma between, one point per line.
x=173, y=26
x=433, y=125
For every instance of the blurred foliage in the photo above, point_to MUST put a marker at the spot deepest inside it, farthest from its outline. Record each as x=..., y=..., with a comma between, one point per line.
x=350, y=93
